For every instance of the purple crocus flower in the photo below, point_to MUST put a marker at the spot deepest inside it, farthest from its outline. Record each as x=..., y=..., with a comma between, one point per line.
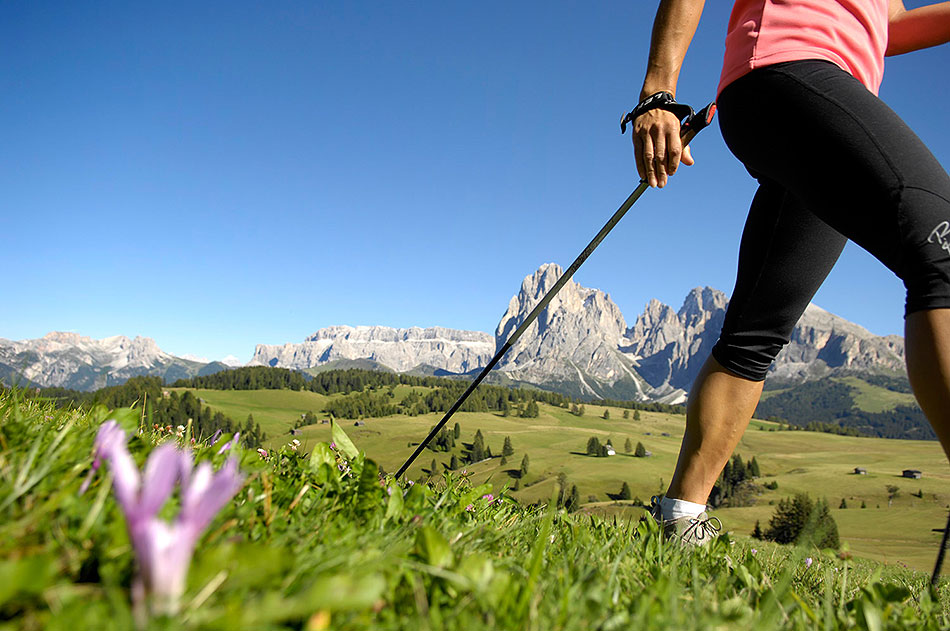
x=215, y=437
x=164, y=549
x=230, y=443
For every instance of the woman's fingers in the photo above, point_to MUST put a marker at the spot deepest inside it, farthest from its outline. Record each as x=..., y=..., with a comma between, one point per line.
x=658, y=150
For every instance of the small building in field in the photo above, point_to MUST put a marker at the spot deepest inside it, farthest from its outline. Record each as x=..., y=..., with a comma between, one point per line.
x=359, y=423
x=912, y=473
x=860, y=471
x=611, y=451
x=296, y=432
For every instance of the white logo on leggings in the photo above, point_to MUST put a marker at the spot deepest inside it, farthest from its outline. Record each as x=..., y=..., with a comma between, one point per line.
x=940, y=234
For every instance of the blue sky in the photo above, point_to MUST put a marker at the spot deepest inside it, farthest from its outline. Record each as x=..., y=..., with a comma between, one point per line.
x=220, y=174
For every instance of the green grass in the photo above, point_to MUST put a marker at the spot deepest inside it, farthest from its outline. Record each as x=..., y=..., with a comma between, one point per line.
x=816, y=463
x=303, y=546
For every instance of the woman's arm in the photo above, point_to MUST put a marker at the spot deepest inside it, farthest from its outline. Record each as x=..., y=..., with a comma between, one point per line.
x=656, y=139
x=918, y=28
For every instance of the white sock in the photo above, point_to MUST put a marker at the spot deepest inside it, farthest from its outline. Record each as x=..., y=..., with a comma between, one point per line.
x=674, y=509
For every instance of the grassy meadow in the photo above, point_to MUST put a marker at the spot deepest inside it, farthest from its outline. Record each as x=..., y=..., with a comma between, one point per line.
x=318, y=539
x=893, y=528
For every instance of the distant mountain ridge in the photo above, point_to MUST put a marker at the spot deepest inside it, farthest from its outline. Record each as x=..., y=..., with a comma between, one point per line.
x=70, y=360
x=401, y=350
x=580, y=346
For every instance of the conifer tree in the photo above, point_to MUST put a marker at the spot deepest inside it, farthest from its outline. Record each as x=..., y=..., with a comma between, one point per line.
x=640, y=451
x=524, y=466
x=757, y=531
x=454, y=464
x=457, y=431
x=507, y=450
x=478, y=447
x=800, y=520
x=593, y=446
x=636, y=415
x=606, y=415
x=628, y=446
x=574, y=500
x=625, y=493
x=626, y=414
x=754, y=471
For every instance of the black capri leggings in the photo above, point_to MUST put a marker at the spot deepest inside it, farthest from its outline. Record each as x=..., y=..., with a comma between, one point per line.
x=833, y=163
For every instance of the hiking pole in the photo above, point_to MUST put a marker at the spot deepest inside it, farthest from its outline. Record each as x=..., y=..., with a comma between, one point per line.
x=943, y=549
x=691, y=125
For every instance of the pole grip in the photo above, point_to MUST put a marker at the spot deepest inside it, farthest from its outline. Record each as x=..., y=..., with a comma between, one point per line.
x=696, y=122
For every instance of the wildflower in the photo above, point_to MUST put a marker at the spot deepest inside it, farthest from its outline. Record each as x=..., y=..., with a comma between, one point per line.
x=754, y=551
x=333, y=445
x=470, y=508
x=108, y=434
x=294, y=444
x=262, y=453
x=163, y=550
x=489, y=497
x=227, y=445
x=808, y=562
x=215, y=437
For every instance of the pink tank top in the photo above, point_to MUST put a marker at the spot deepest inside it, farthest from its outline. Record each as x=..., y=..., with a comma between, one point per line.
x=849, y=33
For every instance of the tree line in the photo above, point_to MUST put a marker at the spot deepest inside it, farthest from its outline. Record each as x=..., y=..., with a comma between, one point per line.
x=172, y=410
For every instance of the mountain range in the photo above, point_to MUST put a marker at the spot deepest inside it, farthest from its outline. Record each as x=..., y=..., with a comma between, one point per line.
x=581, y=345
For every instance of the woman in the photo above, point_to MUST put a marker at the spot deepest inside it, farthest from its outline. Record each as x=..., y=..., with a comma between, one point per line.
x=798, y=106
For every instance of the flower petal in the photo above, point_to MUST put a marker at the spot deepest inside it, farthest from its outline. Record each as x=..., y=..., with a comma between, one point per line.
x=162, y=470
x=230, y=443
x=165, y=554
x=110, y=444
x=206, y=494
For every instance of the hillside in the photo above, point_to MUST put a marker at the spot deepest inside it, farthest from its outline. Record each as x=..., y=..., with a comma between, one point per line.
x=871, y=405
x=317, y=540
x=797, y=461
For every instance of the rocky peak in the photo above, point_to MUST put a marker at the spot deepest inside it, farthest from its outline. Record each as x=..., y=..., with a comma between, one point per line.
x=700, y=304
x=585, y=310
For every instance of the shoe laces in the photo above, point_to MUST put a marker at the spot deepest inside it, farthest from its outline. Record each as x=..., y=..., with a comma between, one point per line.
x=702, y=528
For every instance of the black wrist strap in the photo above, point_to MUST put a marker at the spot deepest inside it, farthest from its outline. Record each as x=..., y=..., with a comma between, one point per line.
x=659, y=101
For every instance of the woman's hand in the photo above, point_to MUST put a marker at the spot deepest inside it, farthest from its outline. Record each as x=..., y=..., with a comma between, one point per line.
x=657, y=146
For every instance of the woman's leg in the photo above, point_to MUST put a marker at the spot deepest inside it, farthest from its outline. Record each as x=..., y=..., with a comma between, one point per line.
x=927, y=348
x=719, y=409
x=785, y=254
x=811, y=130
